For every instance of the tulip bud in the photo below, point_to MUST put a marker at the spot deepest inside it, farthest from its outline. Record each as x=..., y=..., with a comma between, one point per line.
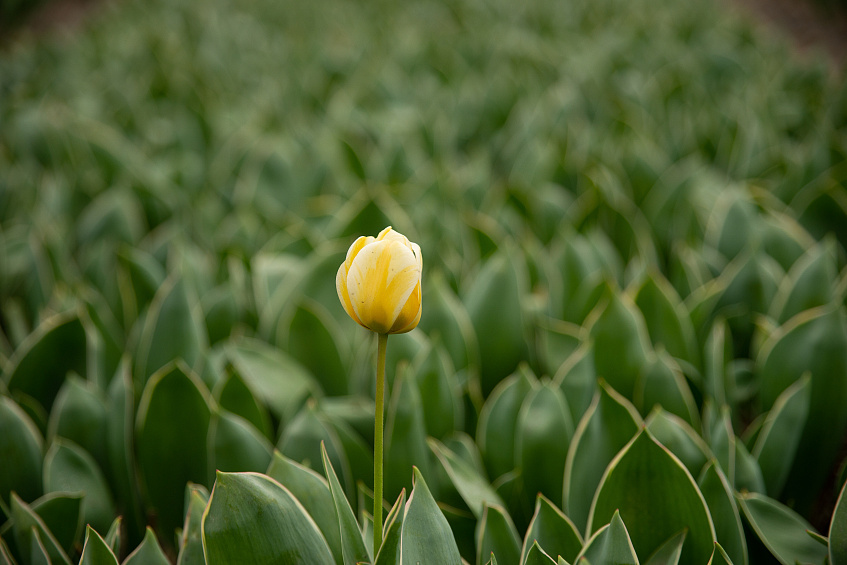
x=379, y=283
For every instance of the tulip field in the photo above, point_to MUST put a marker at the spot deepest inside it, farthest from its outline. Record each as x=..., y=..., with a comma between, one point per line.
x=626, y=221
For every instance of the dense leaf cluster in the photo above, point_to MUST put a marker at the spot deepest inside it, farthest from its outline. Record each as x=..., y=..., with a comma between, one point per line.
x=633, y=216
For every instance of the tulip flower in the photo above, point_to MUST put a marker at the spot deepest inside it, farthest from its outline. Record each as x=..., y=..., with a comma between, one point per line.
x=379, y=285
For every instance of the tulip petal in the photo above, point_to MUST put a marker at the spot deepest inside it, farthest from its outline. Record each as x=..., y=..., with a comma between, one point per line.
x=343, y=295
x=357, y=246
x=410, y=315
x=380, y=280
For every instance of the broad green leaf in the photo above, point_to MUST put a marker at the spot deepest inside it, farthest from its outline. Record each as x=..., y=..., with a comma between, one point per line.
x=448, y=323
x=313, y=492
x=353, y=547
x=96, y=551
x=494, y=306
x=389, y=551
x=173, y=329
x=405, y=435
x=670, y=552
x=426, y=536
x=496, y=535
x=608, y=425
x=642, y=468
x=62, y=515
x=554, y=531
x=662, y=383
x=474, y=488
x=114, y=536
x=314, y=339
x=748, y=475
x=79, y=414
x=236, y=445
x=544, y=431
x=69, y=468
x=719, y=556
x=22, y=443
x=148, y=552
x=279, y=381
x=814, y=342
x=809, y=283
x=233, y=394
x=668, y=322
x=680, y=438
x=780, y=436
x=782, y=530
x=26, y=523
x=38, y=553
x=610, y=544
x=174, y=399
x=495, y=433
x=556, y=342
x=718, y=354
x=838, y=531
x=36, y=370
x=722, y=441
x=621, y=344
x=251, y=518
x=5, y=555
x=441, y=396
x=359, y=454
x=578, y=380
x=537, y=556
x=718, y=494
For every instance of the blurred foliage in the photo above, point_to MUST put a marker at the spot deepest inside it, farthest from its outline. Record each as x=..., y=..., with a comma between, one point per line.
x=633, y=217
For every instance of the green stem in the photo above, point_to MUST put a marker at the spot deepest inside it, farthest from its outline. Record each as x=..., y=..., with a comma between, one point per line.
x=378, y=430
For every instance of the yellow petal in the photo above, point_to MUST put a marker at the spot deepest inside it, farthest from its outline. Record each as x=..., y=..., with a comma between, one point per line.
x=410, y=315
x=356, y=247
x=343, y=295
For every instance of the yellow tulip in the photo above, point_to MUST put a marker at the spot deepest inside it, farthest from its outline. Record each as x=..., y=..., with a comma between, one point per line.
x=379, y=283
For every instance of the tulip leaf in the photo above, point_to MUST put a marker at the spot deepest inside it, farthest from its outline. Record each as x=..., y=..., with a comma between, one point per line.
x=233, y=394
x=609, y=544
x=426, y=536
x=36, y=370
x=642, y=468
x=79, y=414
x=838, y=531
x=440, y=392
x=190, y=551
x=353, y=547
x=236, y=445
x=554, y=531
x=148, y=552
x=662, y=383
x=496, y=534
x=405, y=435
x=621, y=345
x=174, y=399
x=808, y=284
x=496, y=430
x=668, y=322
x=537, y=556
x=26, y=524
x=669, y=552
x=251, y=518
x=779, y=438
x=38, y=553
x=62, y=515
x=114, y=537
x=719, y=556
x=578, y=380
x=389, y=552
x=782, y=530
x=69, y=468
x=314, y=340
x=474, y=488
x=609, y=424
x=22, y=443
x=680, y=438
x=96, y=551
x=719, y=497
x=815, y=341
x=313, y=492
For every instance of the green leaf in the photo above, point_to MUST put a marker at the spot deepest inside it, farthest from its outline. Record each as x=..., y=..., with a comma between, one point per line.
x=554, y=531
x=96, y=551
x=778, y=441
x=578, y=380
x=353, y=547
x=608, y=425
x=405, y=435
x=236, y=445
x=26, y=523
x=680, y=438
x=389, y=552
x=233, y=394
x=495, y=433
x=173, y=329
x=69, y=468
x=748, y=475
x=315, y=340
x=719, y=556
x=838, y=531
x=662, y=383
x=494, y=306
x=113, y=536
x=174, y=399
x=190, y=550
x=669, y=552
x=426, y=536
x=148, y=552
x=544, y=431
x=718, y=494
x=36, y=370
x=815, y=341
x=79, y=414
x=251, y=518
x=782, y=530
x=537, y=556
x=313, y=492
x=809, y=283
x=62, y=515
x=275, y=378
x=38, y=554
x=22, y=443
x=642, y=468
x=5, y=555
x=609, y=544
x=496, y=535
x=718, y=354
x=441, y=395
x=474, y=488
x=621, y=345
x=668, y=322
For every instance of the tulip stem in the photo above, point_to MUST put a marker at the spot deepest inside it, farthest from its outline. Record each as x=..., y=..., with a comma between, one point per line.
x=382, y=343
